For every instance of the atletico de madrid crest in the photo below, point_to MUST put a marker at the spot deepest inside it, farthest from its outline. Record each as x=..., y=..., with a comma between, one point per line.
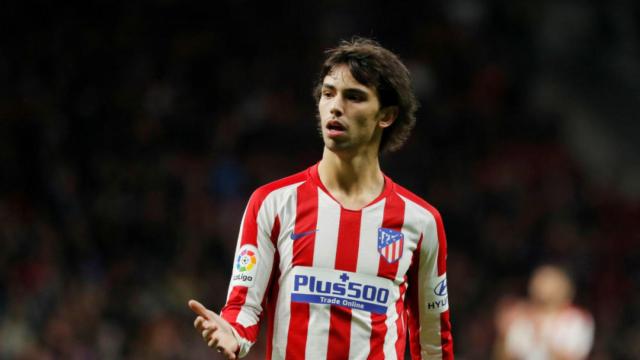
x=390, y=244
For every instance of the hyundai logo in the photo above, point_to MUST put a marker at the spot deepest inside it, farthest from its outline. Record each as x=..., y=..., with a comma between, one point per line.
x=441, y=288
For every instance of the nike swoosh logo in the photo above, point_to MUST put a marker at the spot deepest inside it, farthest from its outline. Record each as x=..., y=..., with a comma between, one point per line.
x=297, y=236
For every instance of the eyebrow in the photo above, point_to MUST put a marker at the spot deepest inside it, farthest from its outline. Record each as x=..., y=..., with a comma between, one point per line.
x=347, y=90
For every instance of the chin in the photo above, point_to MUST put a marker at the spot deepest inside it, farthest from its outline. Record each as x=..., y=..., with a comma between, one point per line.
x=337, y=147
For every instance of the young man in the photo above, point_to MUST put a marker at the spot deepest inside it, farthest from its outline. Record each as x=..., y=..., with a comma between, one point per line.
x=341, y=258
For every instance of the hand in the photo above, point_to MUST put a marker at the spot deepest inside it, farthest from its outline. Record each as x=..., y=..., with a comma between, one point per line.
x=215, y=330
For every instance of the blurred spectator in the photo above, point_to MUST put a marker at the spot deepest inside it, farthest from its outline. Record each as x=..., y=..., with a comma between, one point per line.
x=546, y=325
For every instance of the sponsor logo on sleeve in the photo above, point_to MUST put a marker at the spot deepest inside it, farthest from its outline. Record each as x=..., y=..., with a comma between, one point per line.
x=438, y=299
x=245, y=267
x=390, y=244
x=342, y=288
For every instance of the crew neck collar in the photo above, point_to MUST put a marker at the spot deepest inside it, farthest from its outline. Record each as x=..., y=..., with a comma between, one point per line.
x=387, y=187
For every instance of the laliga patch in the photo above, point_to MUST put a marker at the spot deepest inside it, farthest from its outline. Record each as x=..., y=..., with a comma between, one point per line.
x=343, y=288
x=438, y=299
x=245, y=266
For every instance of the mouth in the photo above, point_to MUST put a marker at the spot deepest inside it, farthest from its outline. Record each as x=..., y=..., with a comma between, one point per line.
x=335, y=128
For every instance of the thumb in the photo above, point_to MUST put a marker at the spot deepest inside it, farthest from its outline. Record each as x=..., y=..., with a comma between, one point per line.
x=199, y=309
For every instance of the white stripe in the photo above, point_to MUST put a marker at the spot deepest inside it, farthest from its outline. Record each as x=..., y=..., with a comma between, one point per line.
x=368, y=258
x=389, y=347
x=430, y=341
x=245, y=317
x=282, y=317
x=324, y=256
x=396, y=253
x=393, y=253
x=411, y=235
x=326, y=244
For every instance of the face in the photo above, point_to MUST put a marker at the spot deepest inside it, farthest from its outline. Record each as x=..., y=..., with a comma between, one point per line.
x=350, y=114
x=550, y=287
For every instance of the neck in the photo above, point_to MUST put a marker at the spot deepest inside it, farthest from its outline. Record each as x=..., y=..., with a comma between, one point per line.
x=353, y=180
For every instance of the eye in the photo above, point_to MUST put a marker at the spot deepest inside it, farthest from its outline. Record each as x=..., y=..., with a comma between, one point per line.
x=355, y=97
x=327, y=94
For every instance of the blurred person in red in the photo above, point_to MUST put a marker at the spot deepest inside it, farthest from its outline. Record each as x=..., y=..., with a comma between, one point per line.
x=340, y=258
x=547, y=325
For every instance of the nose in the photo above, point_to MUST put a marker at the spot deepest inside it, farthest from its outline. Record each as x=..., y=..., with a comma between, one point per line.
x=337, y=106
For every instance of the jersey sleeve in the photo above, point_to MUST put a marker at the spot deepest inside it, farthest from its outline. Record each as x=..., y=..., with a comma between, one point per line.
x=252, y=268
x=427, y=298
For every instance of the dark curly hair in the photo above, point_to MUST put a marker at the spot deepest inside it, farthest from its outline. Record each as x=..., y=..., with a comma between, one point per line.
x=374, y=66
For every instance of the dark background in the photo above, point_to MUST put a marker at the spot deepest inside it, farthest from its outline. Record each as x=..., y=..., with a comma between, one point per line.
x=131, y=136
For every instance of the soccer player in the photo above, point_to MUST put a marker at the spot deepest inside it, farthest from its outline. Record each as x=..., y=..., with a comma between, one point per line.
x=341, y=259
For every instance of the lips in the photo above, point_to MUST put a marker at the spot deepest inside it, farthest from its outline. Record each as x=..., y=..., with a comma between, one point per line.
x=335, y=128
x=335, y=125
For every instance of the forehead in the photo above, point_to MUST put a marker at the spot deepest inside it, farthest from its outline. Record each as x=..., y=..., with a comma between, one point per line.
x=340, y=77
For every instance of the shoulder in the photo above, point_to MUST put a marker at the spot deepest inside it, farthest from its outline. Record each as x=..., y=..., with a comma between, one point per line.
x=278, y=187
x=575, y=314
x=418, y=202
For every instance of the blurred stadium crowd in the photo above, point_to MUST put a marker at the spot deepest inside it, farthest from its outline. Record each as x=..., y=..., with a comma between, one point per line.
x=131, y=137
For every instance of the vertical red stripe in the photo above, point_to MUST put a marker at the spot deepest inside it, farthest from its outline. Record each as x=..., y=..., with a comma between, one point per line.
x=275, y=232
x=347, y=260
x=273, y=288
x=393, y=219
x=445, y=336
x=231, y=313
x=401, y=321
x=413, y=303
x=442, y=247
x=298, y=327
x=250, y=221
x=306, y=220
x=271, y=305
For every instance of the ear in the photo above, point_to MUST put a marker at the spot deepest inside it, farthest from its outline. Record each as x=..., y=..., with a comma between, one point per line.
x=387, y=116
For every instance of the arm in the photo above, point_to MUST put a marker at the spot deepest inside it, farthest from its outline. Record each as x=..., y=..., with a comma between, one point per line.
x=428, y=303
x=252, y=269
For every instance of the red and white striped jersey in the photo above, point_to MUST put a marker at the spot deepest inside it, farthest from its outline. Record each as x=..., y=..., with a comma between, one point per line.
x=338, y=283
x=532, y=335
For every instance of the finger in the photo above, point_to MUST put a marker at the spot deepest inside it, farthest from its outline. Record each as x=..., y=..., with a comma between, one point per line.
x=200, y=323
x=227, y=346
x=227, y=354
x=199, y=309
x=213, y=343
x=208, y=332
x=197, y=323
